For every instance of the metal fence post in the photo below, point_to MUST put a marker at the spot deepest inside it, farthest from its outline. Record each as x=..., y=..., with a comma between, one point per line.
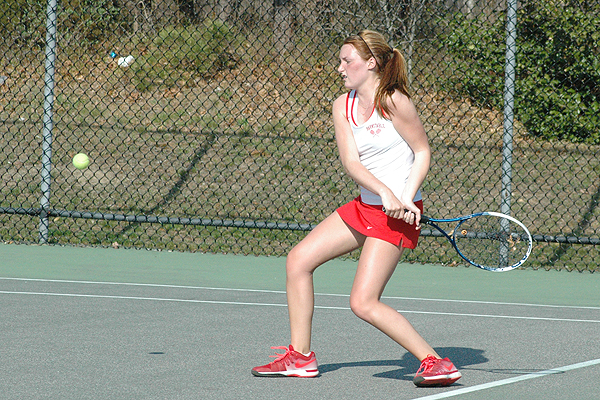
x=47, y=123
x=509, y=104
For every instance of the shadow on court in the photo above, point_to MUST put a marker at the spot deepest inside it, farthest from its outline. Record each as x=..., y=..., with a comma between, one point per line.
x=408, y=365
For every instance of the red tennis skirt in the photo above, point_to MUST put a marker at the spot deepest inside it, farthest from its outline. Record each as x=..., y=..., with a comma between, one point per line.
x=371, y=221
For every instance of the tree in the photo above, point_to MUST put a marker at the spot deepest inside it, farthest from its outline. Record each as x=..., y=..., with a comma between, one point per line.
x=147, y=15
x=558, y=66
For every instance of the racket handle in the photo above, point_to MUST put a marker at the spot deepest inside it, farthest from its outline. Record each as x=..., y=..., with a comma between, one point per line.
x=384, y=210
x=424, y=218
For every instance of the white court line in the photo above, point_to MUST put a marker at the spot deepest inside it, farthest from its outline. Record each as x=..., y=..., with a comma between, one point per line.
x=497, y=316
x=285, y=305
x=283, y=292
x=96, y=296
x=511, y=380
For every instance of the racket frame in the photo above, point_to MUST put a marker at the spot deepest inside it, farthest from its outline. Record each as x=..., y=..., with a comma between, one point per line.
x=432, y=222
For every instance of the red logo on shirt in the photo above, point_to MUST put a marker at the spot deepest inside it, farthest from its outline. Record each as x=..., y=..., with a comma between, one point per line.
x=375, y=129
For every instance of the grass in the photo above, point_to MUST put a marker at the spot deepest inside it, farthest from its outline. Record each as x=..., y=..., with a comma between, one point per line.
x=256, y=143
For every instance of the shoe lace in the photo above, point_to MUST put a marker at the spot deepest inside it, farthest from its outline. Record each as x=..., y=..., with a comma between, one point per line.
x=427, y=364
x=280, y=356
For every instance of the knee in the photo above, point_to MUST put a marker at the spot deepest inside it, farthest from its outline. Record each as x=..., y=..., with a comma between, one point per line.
x=296, y=264
x=362, y=307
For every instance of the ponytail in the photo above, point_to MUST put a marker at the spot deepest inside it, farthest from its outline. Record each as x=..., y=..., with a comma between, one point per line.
x=392, y=76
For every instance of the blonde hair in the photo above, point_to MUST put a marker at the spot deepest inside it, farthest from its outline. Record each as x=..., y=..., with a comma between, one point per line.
x=391, y=67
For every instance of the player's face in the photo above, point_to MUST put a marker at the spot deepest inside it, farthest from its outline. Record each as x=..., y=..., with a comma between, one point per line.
x=353, y=67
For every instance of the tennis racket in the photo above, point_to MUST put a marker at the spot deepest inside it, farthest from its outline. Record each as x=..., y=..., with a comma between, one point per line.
x=488, y=240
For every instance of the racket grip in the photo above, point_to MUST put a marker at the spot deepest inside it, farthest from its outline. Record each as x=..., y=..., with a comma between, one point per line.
x=424, y=218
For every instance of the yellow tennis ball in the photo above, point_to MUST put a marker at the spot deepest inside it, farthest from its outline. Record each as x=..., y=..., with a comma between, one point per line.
x=81, y=161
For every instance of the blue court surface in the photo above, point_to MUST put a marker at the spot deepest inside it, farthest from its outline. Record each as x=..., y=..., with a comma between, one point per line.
x=94, y=323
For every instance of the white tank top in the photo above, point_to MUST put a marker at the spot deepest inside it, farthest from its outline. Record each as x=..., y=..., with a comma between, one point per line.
x=382, y=150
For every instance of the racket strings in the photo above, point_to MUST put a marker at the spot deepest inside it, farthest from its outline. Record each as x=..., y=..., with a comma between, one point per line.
x=491, y=241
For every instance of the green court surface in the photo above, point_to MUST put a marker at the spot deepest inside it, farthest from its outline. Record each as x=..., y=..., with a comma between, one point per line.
x=134, y=324
x=268, y=273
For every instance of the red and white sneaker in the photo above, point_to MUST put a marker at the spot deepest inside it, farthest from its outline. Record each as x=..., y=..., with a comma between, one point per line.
x=290, y=363
x=436, y=372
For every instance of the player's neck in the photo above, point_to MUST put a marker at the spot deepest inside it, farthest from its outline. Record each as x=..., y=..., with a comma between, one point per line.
x=366, y=94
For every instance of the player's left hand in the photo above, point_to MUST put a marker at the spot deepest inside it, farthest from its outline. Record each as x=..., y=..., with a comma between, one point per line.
x=412, y=214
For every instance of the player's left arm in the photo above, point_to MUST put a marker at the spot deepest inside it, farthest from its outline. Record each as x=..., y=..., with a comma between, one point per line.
x=407, y=122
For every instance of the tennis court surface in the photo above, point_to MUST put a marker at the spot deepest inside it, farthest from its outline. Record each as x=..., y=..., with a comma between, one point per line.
x=91, y=323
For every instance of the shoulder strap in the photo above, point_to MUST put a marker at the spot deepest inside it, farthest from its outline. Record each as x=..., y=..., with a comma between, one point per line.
x=350, y=105
x=347, y=104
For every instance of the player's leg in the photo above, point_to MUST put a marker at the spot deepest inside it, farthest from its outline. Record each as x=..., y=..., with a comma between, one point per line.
x=330, y=239
x=376, y=265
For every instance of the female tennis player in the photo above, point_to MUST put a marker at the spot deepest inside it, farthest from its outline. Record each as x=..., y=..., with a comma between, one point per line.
x=384, y=149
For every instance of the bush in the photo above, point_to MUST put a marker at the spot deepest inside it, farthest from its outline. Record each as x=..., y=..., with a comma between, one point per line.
x=22, y=23
x=558, y=67
x=87, y=22
x=90, y=21
x=183, y=53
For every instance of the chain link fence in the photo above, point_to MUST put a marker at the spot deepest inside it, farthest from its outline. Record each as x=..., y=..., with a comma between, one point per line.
x=208, y=123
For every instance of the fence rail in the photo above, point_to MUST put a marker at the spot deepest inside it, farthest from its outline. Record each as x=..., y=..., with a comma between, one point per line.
x=208, y=126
